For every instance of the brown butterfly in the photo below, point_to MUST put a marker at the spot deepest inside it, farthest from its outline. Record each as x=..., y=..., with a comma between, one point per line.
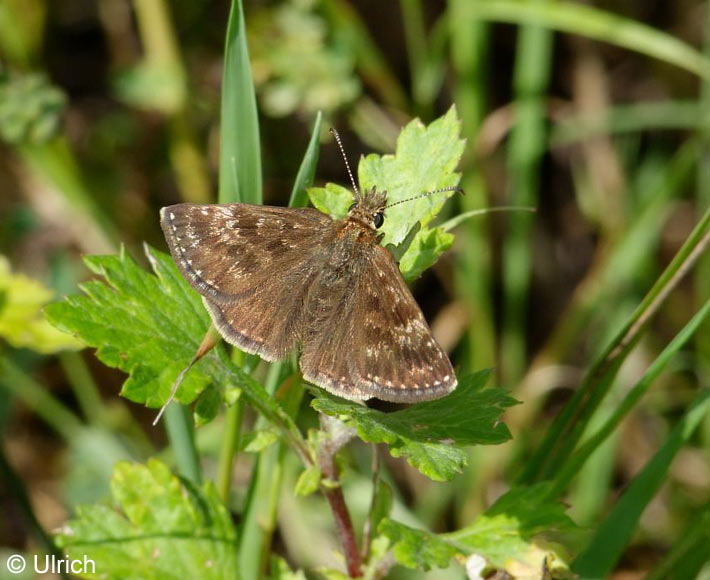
x=275, y=278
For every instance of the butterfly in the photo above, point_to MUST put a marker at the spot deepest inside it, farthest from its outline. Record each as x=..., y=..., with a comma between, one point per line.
x=275, y=279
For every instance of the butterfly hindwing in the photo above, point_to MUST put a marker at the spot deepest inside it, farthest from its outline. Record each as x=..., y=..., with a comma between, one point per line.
x=377, y=342
x=398, y=356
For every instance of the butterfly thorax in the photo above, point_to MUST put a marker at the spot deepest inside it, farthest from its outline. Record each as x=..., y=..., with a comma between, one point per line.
x=367, y=209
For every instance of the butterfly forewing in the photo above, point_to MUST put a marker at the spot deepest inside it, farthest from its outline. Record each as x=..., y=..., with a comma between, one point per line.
x=252, y=265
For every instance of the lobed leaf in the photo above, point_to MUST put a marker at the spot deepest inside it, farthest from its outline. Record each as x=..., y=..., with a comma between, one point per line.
x=512, y=535
x=425, y=159
x=430, y=434
x=150, y=326
x=158, y=528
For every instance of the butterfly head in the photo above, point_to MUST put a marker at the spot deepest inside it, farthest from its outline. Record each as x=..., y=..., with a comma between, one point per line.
x=369, y=207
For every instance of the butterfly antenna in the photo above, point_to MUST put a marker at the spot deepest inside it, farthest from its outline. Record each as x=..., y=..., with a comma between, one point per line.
x=425, y=194
x=334, y=133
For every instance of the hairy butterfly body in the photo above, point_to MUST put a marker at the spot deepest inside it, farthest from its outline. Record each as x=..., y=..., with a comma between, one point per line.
x=274, y=279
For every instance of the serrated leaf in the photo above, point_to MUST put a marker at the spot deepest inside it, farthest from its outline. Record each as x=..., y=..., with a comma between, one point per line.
x=429, y=435
x=150, y=326
x=425, y=159
x=22, y=323
x=159, y=528
x=425, y=249
x=417, y=548
x=512, y=535
x=308, y=481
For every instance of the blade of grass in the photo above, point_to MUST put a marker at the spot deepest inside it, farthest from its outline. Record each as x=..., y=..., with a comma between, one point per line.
x=469, y=47
x=574, y=463
x=600, y=25
x=563, y=435
x=240, y=156
x=307, y=170
x=527, y=147
x=635, y=117
x=620, y=262
x=38, y=398
x=702, y=278
x=239, y=177
x=415, y=37
x=610, y=538
x=689, y=553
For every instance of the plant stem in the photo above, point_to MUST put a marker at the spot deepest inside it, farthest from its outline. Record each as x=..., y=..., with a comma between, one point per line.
x=37, y=398
x=367, y=528
x=83, y=385
x=228, y=451
x=334, y=494
x=178, y=424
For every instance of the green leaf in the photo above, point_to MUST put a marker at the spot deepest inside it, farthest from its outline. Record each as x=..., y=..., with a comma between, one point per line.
x=417, y=548
x=207, y=405
x=425, y=249
x=280, y=570
x=429, y=435
x=307, y=170
x=30, y=109
x=150, y=326
x=258, y=440
x=158, y=528
x=598, y=24
x=424, y=160
x=512, y=535
x=308, y=481
x=333, y=200
x=22, y=323
x=240, y=154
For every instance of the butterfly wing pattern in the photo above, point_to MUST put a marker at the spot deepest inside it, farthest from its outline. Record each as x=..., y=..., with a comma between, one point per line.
x=255, y=275
x=373, y=341
x=273, y=278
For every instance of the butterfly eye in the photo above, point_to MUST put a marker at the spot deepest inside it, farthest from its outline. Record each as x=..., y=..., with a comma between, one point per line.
x=379, y=219
x=352, y=207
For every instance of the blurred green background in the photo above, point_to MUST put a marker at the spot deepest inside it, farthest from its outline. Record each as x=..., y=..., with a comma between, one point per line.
x=594, y=113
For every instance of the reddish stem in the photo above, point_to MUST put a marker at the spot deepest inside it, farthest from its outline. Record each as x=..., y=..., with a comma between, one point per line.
x=334, y=494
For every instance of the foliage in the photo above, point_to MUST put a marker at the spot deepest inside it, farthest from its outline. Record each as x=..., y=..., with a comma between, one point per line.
x=21, y=321
x=158, y=527
x=425, y=160
x=512, y=535
x=430, y=435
